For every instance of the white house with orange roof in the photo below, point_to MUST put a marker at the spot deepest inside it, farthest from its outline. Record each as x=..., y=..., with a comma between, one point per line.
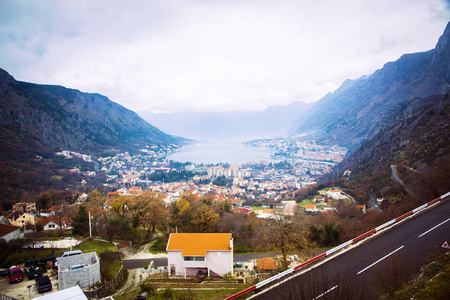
x=335, y=194
x=192, y=254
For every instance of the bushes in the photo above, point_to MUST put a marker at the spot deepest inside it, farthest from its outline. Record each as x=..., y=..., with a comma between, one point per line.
x=160, y=244
x=239, y=248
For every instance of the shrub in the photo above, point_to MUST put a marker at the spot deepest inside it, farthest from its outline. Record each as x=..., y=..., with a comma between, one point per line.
x=167, y=293
x=147, y=288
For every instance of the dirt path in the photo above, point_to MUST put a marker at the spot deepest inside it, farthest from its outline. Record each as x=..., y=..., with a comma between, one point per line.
x=136, y=276
x=132, y=284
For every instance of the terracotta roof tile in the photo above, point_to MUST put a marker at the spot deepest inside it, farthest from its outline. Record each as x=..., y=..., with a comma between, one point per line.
x=5, y=229
x=266, y=263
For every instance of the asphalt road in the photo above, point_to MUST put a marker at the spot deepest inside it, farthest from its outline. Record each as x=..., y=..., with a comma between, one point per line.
x=161, y=262
x=363, y=271
x=373, y=204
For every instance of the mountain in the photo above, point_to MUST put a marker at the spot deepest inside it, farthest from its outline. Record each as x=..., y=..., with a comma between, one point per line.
x=272, y=122
x=352, y=114
x=56, y=118
x=417, y=141
x=38, y=120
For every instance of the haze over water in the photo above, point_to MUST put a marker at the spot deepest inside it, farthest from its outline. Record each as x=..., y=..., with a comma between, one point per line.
x=222, y=151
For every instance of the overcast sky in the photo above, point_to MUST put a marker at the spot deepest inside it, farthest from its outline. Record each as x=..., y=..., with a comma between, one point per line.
x=206, y=55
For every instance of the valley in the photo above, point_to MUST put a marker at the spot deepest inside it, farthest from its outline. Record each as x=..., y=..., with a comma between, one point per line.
x=287, y=180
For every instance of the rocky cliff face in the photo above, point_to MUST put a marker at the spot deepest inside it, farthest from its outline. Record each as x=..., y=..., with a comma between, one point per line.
x=57, y=118
x=353, y=112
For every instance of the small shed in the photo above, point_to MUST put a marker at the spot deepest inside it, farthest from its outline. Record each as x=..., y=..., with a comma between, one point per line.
x=267, y=265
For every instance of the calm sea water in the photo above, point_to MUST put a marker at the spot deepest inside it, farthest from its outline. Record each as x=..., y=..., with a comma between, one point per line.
x=229, y=151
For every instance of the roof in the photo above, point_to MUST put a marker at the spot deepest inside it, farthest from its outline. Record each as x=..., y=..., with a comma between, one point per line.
x=5, y=229
x=266, y=263
x=15, y=215
x=246, y=210
x=197, y=244
x=56, y=220
x=72, y=293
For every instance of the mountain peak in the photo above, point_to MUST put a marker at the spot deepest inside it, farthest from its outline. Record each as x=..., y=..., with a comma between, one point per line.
x=5, y=77
x=355, y=108
x=443, y=43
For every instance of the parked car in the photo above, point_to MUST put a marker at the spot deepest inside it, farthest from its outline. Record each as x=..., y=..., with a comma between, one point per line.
x=33, y=268
x=71, y=253
x=15, y=274
x=3, y=273
x=43, y=284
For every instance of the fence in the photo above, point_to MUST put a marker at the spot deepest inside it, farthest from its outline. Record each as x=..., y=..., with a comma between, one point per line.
x=4, y=297
x=331, y=251
x=108, y=288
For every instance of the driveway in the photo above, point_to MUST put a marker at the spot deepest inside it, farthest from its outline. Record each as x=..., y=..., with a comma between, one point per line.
x=20, y=290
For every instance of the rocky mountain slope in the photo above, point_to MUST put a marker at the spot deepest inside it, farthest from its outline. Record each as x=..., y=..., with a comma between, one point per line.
x=352, y=114
x=56, y=118
x=415, y=140
x=38, y=120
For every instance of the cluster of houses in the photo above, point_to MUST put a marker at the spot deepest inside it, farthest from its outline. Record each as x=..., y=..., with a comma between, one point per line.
x=242, y=188
x=25, y=217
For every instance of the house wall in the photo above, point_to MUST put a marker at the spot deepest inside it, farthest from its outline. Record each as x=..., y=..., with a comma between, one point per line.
x=85, y=277
x=219, y=262
x=175, y=258
x=12, y=235
x=24, y=219
x=48, y=226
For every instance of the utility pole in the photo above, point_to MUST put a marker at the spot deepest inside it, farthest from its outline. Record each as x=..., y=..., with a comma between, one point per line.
x=90, y=227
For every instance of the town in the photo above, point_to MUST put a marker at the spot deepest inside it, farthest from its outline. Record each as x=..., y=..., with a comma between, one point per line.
x=261, y=181
x=148, y=191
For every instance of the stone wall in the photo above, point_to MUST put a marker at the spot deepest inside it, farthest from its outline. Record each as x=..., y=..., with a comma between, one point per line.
x=85, y=276
x=108, y=288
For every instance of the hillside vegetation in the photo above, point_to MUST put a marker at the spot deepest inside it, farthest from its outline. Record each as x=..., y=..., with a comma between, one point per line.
x=416, y=143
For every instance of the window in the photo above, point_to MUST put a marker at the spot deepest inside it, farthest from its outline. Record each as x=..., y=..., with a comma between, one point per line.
x=194, y=258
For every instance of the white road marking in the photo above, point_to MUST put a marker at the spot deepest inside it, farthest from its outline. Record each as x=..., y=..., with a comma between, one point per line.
x=324, y=293
x=380, y=260
x=434, y=227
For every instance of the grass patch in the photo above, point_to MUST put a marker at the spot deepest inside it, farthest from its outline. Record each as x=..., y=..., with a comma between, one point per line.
x=256, y=208
x=189, y=293
x=97, y=246
x=305, y=202
x=433, y=282
x=56, y=177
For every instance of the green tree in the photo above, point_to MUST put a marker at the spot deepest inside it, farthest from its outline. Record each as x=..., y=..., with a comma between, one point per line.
x=331, y=234
x=80, y=223
x=220, y=181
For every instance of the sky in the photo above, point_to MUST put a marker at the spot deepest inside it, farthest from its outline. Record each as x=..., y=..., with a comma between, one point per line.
x=211, y=55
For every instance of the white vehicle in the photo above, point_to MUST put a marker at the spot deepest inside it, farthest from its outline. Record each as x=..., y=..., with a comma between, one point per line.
x=71, y=253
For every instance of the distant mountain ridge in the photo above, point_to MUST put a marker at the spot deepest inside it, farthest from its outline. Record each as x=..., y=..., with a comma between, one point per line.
x=352, y=113
x=56, y=118
x=274, y=121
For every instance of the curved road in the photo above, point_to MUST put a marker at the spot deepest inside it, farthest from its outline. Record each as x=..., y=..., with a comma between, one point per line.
x=396, y=178
x=373, y=203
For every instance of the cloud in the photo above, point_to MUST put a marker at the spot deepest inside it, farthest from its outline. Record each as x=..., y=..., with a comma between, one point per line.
x=211, y=55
